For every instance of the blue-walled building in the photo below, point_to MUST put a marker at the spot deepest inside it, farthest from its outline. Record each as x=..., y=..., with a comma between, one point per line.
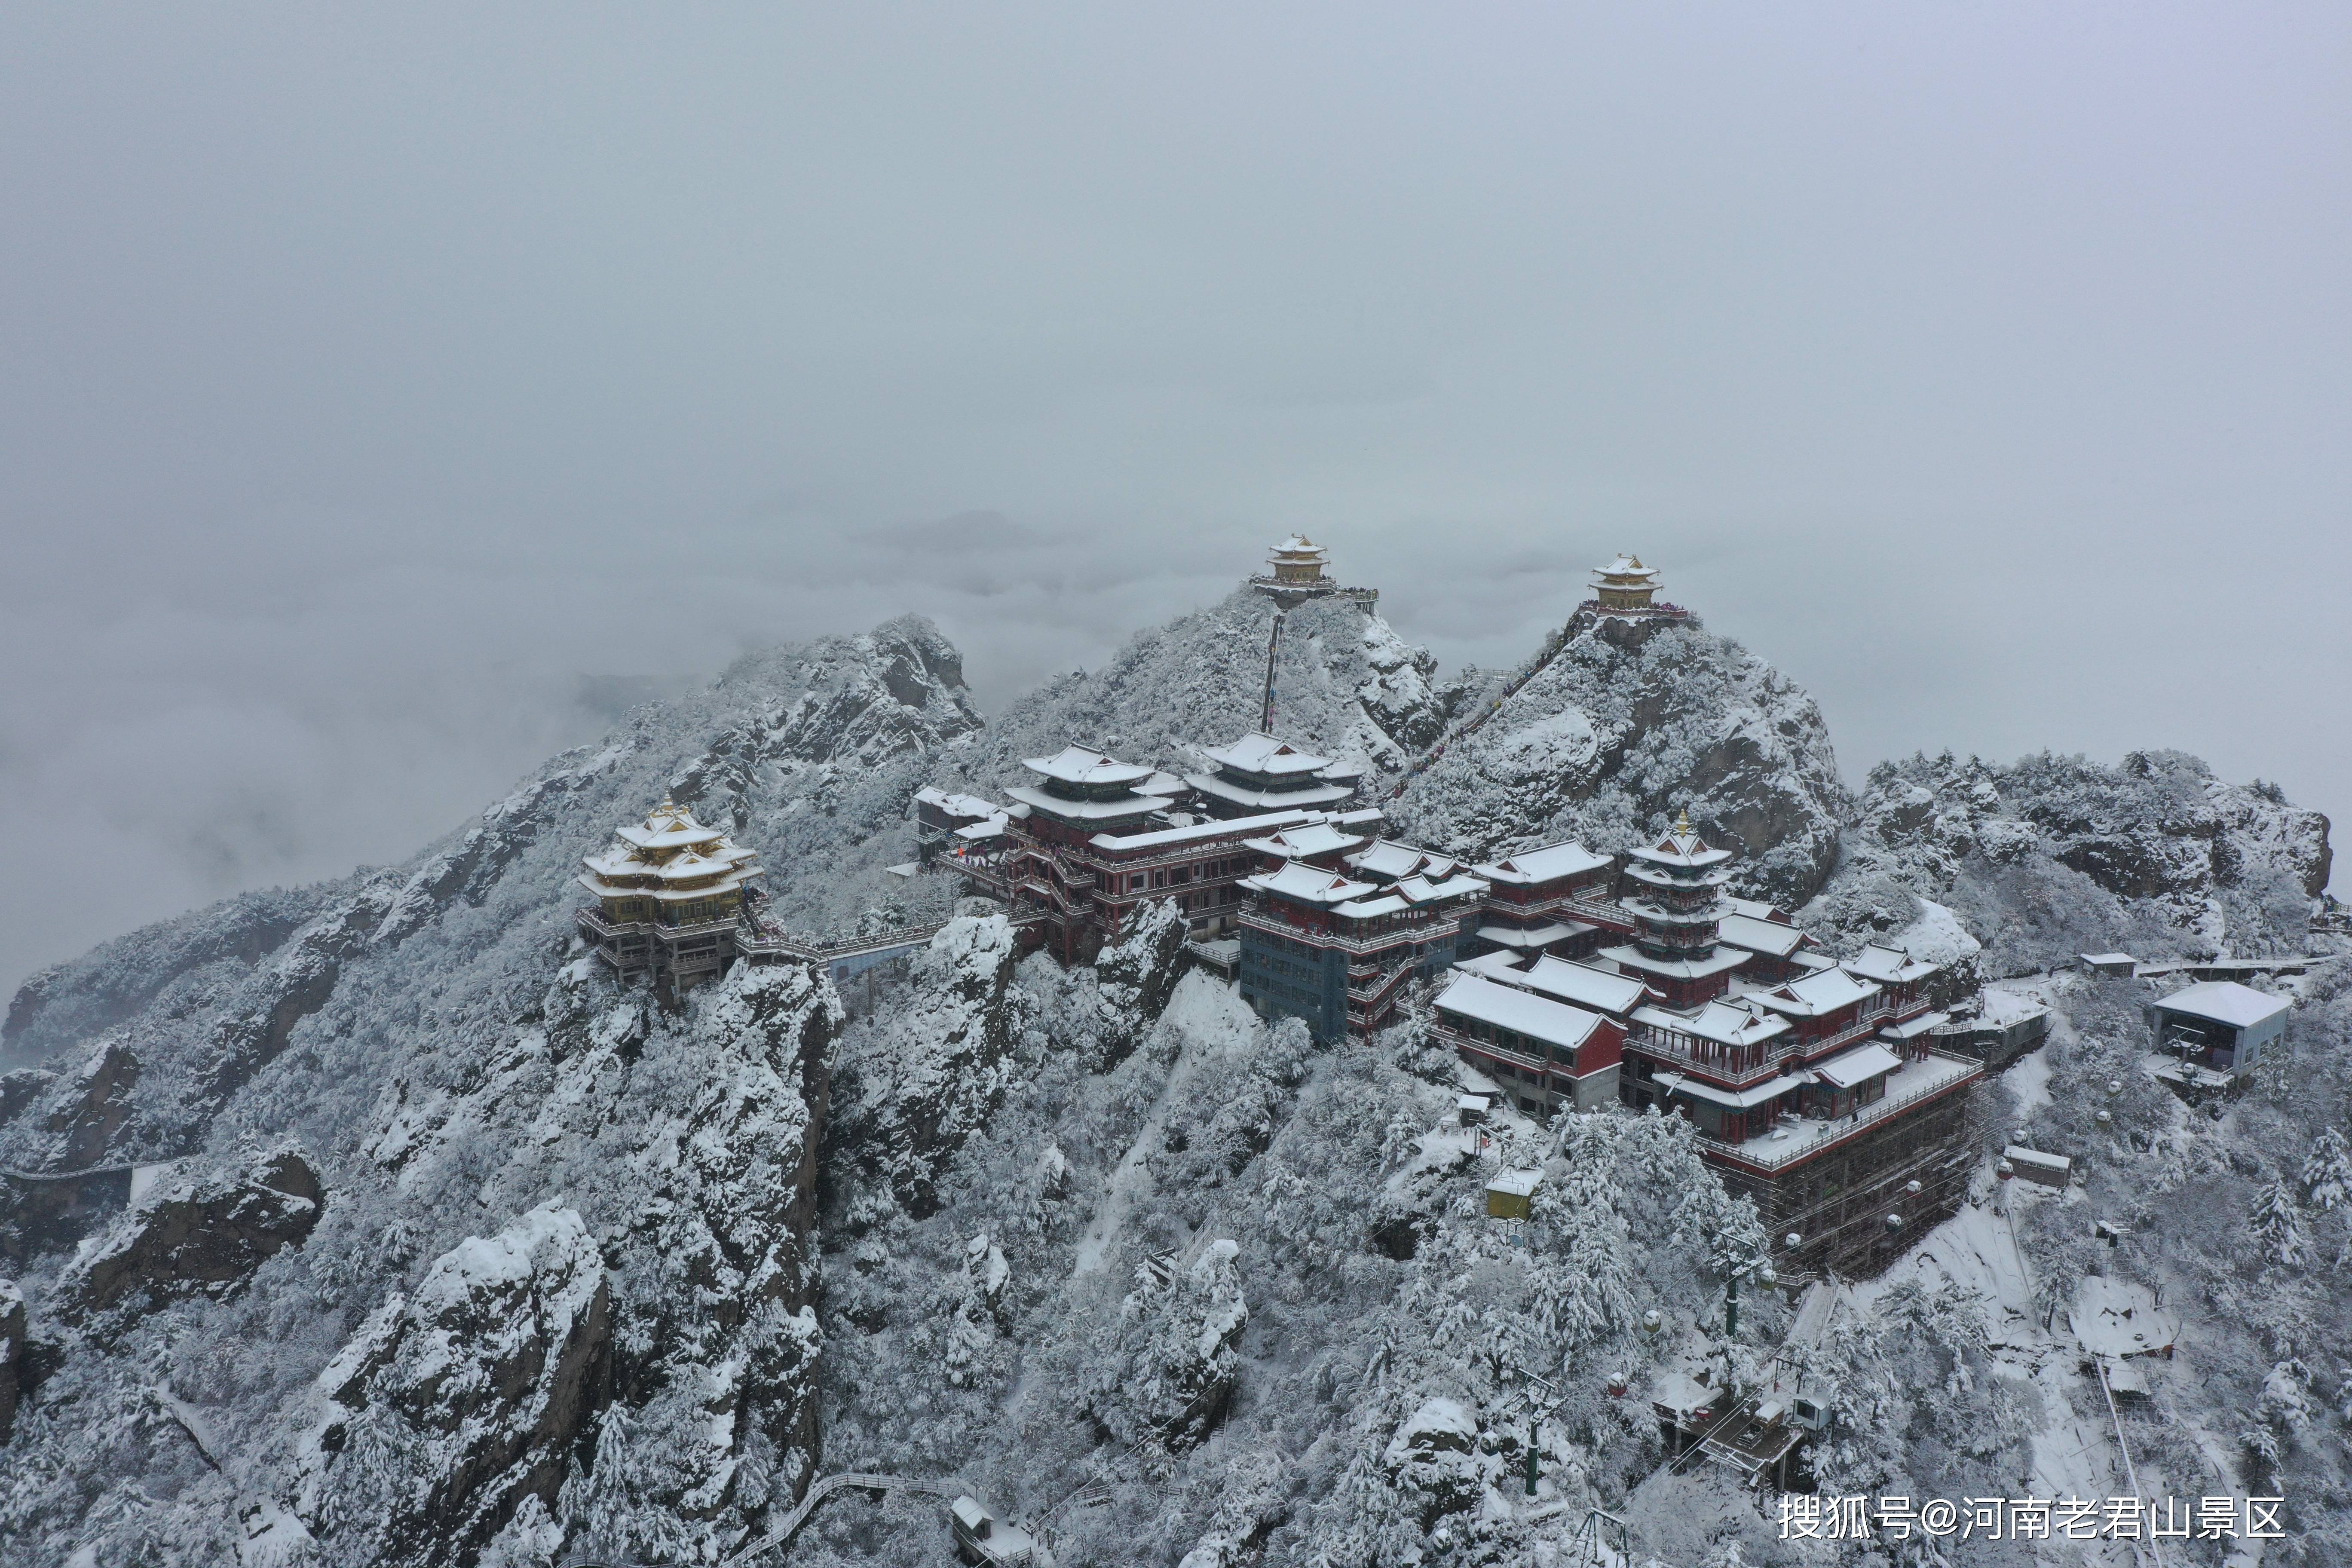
x=1322, y=946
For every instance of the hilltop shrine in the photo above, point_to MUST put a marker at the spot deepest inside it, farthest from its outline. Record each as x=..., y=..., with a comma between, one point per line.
x=1295, y=573
x=669, y=898
x=1626, y=589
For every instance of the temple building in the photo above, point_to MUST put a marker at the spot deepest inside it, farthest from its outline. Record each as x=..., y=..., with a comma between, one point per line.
x=1260, y=772
x=1675, y=912
x=1295, y=573
x=669, y=899
x=1548, y=1054
x=1083, y=848
x=946, y=822
x=1339, y=952
x=1776, y=949
x=1625, y=587
x=1813, y=1086
x=1546, y=900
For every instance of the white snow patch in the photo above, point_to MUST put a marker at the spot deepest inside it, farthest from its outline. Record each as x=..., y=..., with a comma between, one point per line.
x=1206, y=1019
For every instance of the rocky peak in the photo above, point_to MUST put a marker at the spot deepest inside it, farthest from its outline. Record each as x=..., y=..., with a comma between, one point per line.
x=2154, y=856
x=1345, y=684
x=1618, y=728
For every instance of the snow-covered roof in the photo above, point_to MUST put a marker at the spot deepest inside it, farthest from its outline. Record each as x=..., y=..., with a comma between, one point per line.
x=1392, y=861
x=1680, y=849
x=1717, y=963
x=1913, y=1028
x=1502, y=966
x=1308, y=885
x=1080, y=765
x=1756, y=909
x=1849, y=1067
x=1516, y=1183
x=2223, y=1002
x=1422, y=891
x=1259, y=752
x=1299, y=547
x=2115, y=1317
x=1889, y=965
x=2105, y=960
x=1725, y=1022
x=668, y=827
x=1768, y=937
x=1540, y=936
x=1624, y=572
x=965, y=805
x=1322, y=792
x=1508, y=1007
x=1227, y=828
x=1365, y=909
x=1307, y=841
x=1129, y=804
x=672, y=857
x=1577, y=983
x=977, y=832
x=1734, y=1099
x=1548, y=864
x=1165, y=786
x=1818, y=993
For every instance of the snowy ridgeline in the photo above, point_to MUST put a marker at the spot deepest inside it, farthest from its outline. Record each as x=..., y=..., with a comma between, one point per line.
x=441, y=1249
x=2056, y=855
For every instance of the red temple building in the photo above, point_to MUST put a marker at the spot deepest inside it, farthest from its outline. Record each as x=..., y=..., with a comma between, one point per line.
x=1812, y=1084
x=1093, y=838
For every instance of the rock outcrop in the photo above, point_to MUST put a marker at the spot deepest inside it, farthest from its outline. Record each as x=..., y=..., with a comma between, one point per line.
x=944, y=1063
x=1345, y=683
x=2044, y=856
x=12, y=1355
x=197, y=1233
x=456, y=1402
x=1626, y=726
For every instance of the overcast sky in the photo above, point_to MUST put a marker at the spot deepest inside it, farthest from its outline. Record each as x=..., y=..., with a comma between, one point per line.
x=386, y=390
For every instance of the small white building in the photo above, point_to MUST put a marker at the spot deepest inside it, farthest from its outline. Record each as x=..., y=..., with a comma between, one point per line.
x=2218, y=1027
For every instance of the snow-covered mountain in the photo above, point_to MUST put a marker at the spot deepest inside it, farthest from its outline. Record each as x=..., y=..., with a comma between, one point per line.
x=1345, y=684
x=444, y=1249
x=1623, y=727
x=2053, y=856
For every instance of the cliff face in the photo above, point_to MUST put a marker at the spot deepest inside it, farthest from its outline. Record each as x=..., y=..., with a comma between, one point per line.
x=1627, y=725
x=539, y=1220
x=2050, y=856
x=1345, y=684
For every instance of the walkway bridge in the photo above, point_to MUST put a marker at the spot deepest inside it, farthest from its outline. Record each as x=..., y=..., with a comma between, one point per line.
x=843, y=956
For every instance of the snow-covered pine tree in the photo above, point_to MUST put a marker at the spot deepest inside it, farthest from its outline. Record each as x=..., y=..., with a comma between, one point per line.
x=2327, y=1174
x=2278, y=1224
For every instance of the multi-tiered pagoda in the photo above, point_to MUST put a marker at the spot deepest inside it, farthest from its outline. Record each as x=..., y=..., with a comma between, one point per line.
x=1295, y=573
x=669, y=898
x=1677, y=910
x=1627, y=588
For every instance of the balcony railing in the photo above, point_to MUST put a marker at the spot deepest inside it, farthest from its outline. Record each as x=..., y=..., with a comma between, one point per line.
x=1775, y=1055
x=593, y=919
x=1822, y=1134
x=1763, y=1060
x=1427, y=930
x=1457, y=1040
